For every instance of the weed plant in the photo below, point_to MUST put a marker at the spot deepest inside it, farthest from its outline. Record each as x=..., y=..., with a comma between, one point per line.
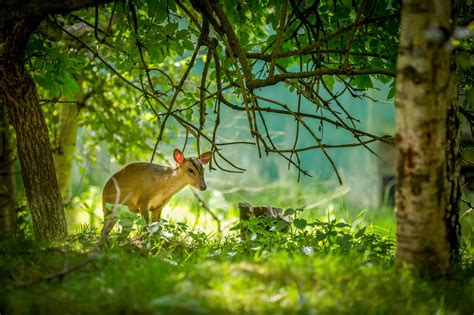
x=261, y=266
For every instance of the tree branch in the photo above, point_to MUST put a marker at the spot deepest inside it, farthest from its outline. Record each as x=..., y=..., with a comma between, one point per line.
x=12, y=10
x=307, y=74
x=268, y=57
x=281, y=31
x=352, y=33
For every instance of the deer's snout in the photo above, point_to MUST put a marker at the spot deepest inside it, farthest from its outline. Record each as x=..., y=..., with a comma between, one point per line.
x=203, y=186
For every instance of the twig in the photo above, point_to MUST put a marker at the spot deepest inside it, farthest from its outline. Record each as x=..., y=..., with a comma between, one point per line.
x=352, y=34
x=203, y=204
x=175, y=96
x=58, y=274
x=280, y=32
x=311, y=132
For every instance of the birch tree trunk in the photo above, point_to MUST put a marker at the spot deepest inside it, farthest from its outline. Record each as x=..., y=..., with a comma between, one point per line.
x=427, y=197
x=18, y=93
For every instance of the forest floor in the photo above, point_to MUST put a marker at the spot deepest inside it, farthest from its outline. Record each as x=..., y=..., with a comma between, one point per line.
x=332, y=260
x=318, y=267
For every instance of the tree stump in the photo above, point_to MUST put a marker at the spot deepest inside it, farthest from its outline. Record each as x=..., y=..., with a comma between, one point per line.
x=248, y=211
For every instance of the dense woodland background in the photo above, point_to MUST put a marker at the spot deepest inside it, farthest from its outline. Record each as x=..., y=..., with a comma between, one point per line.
x=354, y=117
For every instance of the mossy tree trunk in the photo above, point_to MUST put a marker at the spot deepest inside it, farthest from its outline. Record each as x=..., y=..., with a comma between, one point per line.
x=7, y=179
x=18, y=93
x=427, y=138
x=65, y=146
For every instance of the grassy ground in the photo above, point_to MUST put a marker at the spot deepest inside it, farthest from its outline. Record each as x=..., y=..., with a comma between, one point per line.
x=334, y=260
x=169, y=269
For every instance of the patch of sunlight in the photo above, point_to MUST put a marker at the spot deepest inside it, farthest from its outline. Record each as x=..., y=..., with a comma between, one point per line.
x=86, y=209
x=184, y=207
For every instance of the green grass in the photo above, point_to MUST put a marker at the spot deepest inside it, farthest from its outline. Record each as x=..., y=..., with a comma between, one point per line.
x=336, y=259
x=325, y=268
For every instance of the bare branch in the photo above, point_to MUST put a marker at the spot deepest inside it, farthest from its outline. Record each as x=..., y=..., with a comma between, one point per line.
x=352, y=33
x=268, y=57
x=311, y=132
x=281, y=31
x=308, y=74
x=175, y=96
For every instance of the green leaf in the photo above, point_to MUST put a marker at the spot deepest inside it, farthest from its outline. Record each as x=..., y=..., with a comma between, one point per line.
x=151, y=7
x=360, y=232
x=343, y=240
x=469, y=99
x=329, y=80
x=160, y=13
x=465, y=60
x=300, y=223
x=279, y=225
x=391, y=93
x=69, y=85
x=363, y=82
x=182, y=34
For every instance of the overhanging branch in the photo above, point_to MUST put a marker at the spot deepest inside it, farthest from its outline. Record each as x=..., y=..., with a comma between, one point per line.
x=13, y=9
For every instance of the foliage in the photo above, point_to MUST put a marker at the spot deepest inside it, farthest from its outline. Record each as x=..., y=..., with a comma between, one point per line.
x=147, y=61
x=132, y=57
x=170, y=269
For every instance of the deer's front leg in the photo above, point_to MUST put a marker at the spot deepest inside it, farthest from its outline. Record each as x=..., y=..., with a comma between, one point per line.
x=156, y=214
x=145, y=213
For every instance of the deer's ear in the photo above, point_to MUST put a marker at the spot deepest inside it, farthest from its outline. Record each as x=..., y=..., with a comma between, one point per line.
x=178, y=156
x=205, y=157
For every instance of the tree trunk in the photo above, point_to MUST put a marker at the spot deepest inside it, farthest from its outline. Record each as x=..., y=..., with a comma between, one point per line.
x=18, y=93
x=428, y=195
x=7, y=180
x=65, y=147
x=454, y=160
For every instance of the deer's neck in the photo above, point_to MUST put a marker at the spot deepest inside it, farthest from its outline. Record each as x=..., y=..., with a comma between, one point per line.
x=174, y=183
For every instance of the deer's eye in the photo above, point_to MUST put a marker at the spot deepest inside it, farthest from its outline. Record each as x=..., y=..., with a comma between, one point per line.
x=190, y=170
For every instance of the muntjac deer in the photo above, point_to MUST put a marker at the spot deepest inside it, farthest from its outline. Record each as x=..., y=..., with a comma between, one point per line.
x=147, y=187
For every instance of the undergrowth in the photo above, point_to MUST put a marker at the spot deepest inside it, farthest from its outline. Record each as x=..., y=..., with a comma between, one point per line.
x=261, y=266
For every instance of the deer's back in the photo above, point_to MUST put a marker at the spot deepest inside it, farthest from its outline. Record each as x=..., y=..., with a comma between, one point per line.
x=133, y=183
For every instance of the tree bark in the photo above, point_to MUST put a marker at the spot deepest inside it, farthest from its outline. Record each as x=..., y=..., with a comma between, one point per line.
x=427, y=198
x=15, y=10
x=18, y=93
x=65, y=147
x=7, y=179
x=453, y=171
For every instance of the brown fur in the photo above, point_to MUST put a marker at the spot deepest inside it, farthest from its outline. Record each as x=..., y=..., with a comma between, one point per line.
x=147, y=187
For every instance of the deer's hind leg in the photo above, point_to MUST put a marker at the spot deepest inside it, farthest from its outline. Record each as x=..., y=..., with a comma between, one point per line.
x=126, y=229
x=109, y=223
